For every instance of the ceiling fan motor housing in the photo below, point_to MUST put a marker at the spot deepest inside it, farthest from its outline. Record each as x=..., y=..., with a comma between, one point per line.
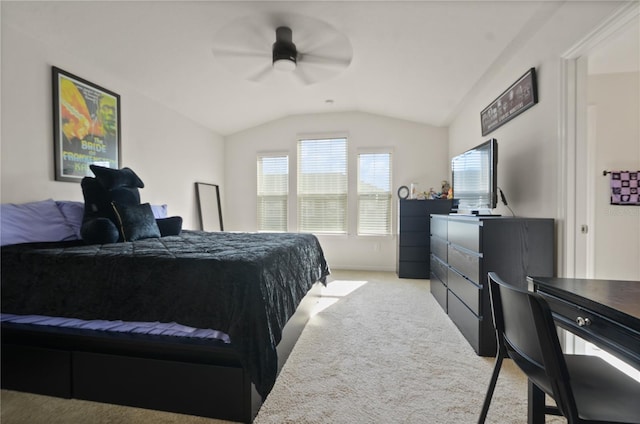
x=283, y=48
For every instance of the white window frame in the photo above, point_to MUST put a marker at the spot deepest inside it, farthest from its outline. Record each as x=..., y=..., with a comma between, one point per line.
x=300, y=196
x=287, y=193
x=369, y=151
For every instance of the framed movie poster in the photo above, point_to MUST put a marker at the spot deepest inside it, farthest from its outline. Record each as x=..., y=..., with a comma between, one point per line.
x=86, y=124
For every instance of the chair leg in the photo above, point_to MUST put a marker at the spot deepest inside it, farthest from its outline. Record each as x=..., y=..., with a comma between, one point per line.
x=490, y=389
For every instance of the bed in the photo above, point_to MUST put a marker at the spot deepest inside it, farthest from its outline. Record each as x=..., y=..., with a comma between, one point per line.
x=256, y=289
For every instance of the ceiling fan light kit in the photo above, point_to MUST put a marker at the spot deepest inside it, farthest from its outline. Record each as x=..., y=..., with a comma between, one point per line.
x=286, y=65
x=284, y=51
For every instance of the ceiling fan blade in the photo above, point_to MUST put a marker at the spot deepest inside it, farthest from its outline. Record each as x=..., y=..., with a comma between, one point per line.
x=310, y=43
x=302, y=75
x=260, y=74
x=314, y=59
x=230, y=52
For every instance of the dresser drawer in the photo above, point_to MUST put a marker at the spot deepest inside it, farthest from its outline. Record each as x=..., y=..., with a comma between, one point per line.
x=414, y=253
x=465, y=262
x=439, y=268
x=439, y=227
x=465, y=234
x=418, y=238
x=439, y=291
x=466, y=321
x=414, y=223
x=599, y=328
x=413, y=208
x=466, y=290
x=439, y=248
x=413, y=269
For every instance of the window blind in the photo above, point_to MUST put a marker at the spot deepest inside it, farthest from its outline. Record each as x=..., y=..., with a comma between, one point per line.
x=273, y=192
x=374, y=194
x=322, y=185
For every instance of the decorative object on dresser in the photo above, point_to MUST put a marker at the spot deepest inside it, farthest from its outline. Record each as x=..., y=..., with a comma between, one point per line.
x=403, y=192
x=412, y=254
x=464, y=249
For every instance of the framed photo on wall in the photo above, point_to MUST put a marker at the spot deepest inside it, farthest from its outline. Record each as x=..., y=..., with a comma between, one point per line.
x=86, y=126
x=520, y=96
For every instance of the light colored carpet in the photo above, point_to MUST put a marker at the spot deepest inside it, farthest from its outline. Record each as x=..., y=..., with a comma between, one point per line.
x=382, y=352
x=387, y=353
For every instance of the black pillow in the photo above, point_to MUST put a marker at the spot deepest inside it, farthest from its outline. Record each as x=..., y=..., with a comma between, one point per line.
x=114, y=178
x=99, y=231
x=171, y=226
x=136, y=222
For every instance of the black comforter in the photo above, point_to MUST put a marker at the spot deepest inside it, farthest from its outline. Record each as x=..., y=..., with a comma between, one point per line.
x=245, y=284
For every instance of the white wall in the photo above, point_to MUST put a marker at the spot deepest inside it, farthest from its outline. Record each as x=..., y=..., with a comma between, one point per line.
x=616, y=239
x=168, y=151
x=529, y=150
x=419, y=156
x=529, y=164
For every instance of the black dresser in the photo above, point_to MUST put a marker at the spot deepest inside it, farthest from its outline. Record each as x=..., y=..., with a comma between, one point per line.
x=413, y=250
x=464, y=249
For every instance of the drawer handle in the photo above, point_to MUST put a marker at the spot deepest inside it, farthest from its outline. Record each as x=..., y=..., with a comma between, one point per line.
x=583, y=322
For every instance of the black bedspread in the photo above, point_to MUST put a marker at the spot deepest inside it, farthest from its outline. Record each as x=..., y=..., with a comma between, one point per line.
x=245, y=284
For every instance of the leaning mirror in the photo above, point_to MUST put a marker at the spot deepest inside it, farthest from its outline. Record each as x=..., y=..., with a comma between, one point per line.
x=208, y=197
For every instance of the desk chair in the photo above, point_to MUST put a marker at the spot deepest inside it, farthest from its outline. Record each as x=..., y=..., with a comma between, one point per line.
x=586, y=389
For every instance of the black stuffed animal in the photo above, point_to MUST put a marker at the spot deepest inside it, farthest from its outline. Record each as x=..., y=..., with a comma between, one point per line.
x=112, y=209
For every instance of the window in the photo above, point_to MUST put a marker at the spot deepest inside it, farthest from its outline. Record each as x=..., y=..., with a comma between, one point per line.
x=374, y=194
x=322, y=185
x=273, y=192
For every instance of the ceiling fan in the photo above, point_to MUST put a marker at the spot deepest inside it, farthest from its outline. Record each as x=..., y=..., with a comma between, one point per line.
x=309, y=49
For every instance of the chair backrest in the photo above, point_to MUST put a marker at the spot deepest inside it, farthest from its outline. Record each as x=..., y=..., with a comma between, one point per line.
x=527, y=334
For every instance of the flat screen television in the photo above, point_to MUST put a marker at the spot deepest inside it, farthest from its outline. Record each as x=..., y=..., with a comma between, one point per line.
x=474, y=179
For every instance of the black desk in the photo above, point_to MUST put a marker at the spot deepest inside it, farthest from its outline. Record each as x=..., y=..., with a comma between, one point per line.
x=604, y=312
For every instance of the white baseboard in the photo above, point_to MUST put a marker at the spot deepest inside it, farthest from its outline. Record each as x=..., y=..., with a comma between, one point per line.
x=363, y=268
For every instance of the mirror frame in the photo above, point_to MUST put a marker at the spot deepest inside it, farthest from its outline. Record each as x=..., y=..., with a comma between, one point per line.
x=208, y=198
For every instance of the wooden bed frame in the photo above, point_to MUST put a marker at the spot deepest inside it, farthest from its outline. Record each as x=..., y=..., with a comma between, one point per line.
x=184, y=375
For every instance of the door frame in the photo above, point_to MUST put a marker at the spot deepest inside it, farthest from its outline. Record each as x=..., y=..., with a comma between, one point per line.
x=575, y=207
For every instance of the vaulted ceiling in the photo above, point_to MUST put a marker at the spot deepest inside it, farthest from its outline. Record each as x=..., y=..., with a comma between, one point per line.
x=414, y=60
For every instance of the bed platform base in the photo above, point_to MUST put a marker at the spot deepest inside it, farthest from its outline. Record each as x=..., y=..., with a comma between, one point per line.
x=189, y=376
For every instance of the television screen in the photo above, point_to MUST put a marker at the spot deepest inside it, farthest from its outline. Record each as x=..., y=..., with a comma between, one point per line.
x=474, y=179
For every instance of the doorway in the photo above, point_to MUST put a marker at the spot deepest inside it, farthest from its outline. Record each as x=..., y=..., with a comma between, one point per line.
x=598, y=240
x=603, y=66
